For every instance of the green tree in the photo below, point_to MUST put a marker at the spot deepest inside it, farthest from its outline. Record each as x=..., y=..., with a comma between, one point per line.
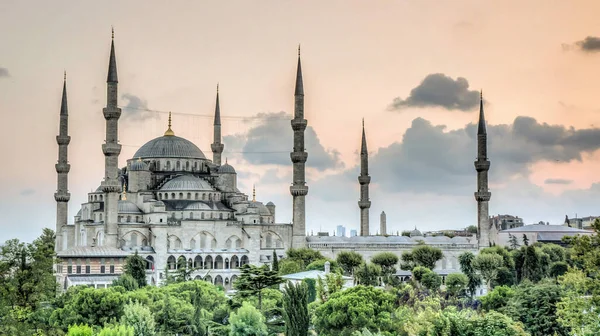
x=532, y=264
x=422, y=255
x=331, y=284
x=405, y=233
x=118, y=330
x=136, y=267
x=456, y=284
x=497, y=299
x=319, y=265
x=126, y=281
x=488, y=265
x=80, y=330
x=431, y=281
x=525, y=240
x=304, y=254
x=472, y=229
x=573, y=310
x=85, y=305
x=558, y=268
x=354, y=309
x=253, y=280
x=513, y=242
x=289, y=266
x=466, y=267
x=140, y=318
x=349, y=260
x=247, y=321
x=295, y=305
x=311, y=285
x=387, y=261
x=368, y=274
x=275, y=262
x=173, y=315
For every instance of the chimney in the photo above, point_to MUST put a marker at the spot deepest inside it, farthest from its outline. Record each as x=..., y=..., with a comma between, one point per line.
x=327, y=267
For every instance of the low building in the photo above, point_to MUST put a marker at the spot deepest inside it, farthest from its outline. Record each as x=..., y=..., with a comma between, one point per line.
x=505, y=222
x=296, y=278
x=584, y=223
x=539, y=233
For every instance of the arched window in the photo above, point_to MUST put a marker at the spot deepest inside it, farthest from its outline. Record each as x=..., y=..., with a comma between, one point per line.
x=213, y=244
x=235, y=262
x=178, y=165
x=196, y=195
x=238, y=244
x=100, y=239
x=202, y=215
x=219, y=262
x=128, y=219
x=157, y=163
x=101, y=198
x=95, y=197
x=208, y=278
x=134, y=239
x=168, y=165
x=218, y=280
x=203, y=196
x=198, y=262
x=269, y=242
x=210, y=197
x=171, y=262
x=137, y=219
x=181, y=262
x=208, y=262
x=233, y=279
x=180, y=195
x=187, y=165
x=196, y=165
x=172, y=195
x=244, y=261
x=100, y=217
x=166, y=196
x=193, y=244
x=149, y=263
x=191, y=215
x=190, y=263
x=221, y=215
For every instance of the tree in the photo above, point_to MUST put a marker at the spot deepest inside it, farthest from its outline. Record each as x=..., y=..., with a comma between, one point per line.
x=466, y=267
x=136, y=267
x=472, y=229
x=422, y=255
x=354, y=309
x=331, y=284
x=497, y=298
x=512, y=240
x=295, y=305
x=247, y=321
x=456, y=284
x=173, y=315
x=488, y=265
x=320, y=265
x=525, y=240
x=368, y=274
x=254, y=279
x=304, y=254
x=405, y=233
x=574, y=308
x=80, y=330
x=119, y=330
x=387, y=261
x=349, y=260
x=558, y=268
x=126, y=281
x=431, y=281
x=289, y=266
x=532, y=264
x=275, y=262
x=140, y=318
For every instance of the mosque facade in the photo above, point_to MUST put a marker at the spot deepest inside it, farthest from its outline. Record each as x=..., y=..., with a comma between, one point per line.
x=178, y=209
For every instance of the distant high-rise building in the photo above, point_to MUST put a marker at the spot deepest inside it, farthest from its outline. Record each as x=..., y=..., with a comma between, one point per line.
x=340, y=231
x=353, y=233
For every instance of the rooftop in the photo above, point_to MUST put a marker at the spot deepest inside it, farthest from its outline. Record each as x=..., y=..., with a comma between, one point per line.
x=545, y=228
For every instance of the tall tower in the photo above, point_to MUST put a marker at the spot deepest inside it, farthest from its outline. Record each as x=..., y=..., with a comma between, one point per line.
x=482, y=195
x=62, y=194
x=364, y=179
x=111, y=149
x=299, y=189
x=382, y=224
x=217, y=146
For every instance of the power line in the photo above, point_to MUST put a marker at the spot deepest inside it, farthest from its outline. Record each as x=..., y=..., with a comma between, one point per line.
x=206, y=115
x=232, y=152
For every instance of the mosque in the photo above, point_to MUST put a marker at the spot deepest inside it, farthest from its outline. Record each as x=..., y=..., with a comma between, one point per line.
x=179, y=209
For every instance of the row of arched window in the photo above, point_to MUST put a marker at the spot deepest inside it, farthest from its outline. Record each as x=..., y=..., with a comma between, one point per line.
x=206, y=263
x=128, y=219
x=219, y=281
x=177, y=165
x=203, y=215
x=189, y=196
x=95, y=198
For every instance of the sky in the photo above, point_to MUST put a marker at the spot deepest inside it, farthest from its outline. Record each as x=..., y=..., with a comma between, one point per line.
x=412, y=69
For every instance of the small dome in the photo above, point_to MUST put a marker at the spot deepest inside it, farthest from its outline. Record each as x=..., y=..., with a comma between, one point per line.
x=169, y=146
x=226, y=169
x=128, y=207
x=270, y=204
x=187, y=183
x=197, y=206
x=138, y=165
x=416, y=233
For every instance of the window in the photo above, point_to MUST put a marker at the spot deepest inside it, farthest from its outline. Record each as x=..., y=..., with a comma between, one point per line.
x=69, y=269
x=128, y=219
x=166, y=196
x=202, y=215
x=112, y=269
x=221, y=216
x=196, y=195
x=78, y=269
x=178, y=165
x=180, y=195
x=187, y=165
x=88, y=269
x=189, y=195
x=168, y=165
x=102, y=269
x=191, y=215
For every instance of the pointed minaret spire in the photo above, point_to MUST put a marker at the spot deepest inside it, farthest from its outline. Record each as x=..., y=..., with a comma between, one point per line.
x=483, y=195
x=299, y=189
x=254, y=193
x=111, y=149
x=112, y=63
x=62, y=195
x=217, y=146
x=169, y=131
x=364, y=179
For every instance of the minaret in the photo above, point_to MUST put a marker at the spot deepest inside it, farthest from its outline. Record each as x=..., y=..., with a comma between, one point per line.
x=382, y=224
x=62, y=194
x=217, y=146
x=364, y=179
x=111, y=149
x=482, y=195
x=299, y=189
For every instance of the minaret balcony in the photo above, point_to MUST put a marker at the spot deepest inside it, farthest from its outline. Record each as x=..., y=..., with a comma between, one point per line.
x=110, y=186
x=364, y=204
x=299, y=124
x=483, y=196
x=62, y=196
x=110, y=148
x=62, y=167
x=111, y=112
x=63, y=139
x=482, y=165
x=217, y=147
x=364, y=179
x=299, y=190
x=298, y=157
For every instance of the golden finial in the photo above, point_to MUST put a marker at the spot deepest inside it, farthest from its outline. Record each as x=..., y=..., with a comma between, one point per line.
x=124, y=197
x=363, y=119
x=65, y=75
x=113, y=31
x=253, y=193
x=169, y=131
x=298, y=49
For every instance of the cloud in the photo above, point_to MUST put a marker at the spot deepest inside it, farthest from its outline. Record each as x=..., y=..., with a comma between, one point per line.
x=589, y=44
x=439, y=90
x=27, y=192
x=4, y=72
x=557, y=181
x=270, y=140
x=136, y=108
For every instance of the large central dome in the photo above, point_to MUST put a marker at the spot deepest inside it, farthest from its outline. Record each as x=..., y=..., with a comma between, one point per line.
x=169, y=146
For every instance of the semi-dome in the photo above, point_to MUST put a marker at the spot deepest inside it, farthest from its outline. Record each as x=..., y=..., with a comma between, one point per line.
x=128, y=207
x=187, y=183
x=138, y=165
x=169, y=146
x=226, y=169
x=197, y=206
